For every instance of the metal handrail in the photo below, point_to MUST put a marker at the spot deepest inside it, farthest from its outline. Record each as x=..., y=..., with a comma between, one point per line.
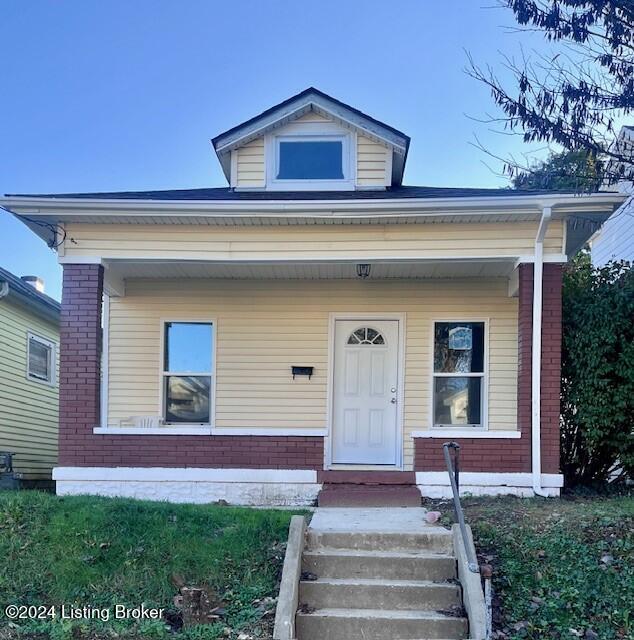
x=454, y=477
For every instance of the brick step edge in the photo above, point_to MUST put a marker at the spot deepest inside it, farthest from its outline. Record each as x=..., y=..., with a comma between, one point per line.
x=372, y=478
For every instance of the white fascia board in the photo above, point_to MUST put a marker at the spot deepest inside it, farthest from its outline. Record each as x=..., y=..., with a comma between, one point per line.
x=311, y=259
x=298, y=107
x=185, y=474
x=485, y=479
x=57, y=207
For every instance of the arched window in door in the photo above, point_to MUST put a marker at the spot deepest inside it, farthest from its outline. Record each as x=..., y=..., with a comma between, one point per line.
x=366, y=335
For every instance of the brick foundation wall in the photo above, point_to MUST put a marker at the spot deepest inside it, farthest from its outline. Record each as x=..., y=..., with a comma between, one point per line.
x=80, y=371
x=514, y=455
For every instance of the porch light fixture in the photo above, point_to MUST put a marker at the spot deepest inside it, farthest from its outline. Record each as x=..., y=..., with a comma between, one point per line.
x=363, y=271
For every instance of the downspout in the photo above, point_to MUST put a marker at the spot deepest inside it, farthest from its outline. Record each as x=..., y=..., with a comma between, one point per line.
x=536, y=362
x=4, y=289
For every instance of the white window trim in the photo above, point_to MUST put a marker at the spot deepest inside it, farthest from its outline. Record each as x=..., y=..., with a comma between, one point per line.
x=312, y=131
x=484, y=389
x=163, y=373
x=52, y=364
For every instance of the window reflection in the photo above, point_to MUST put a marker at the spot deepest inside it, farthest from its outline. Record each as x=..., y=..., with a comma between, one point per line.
x=188, y=347
x=187, y=399
x=459, y=347
x=457, y=401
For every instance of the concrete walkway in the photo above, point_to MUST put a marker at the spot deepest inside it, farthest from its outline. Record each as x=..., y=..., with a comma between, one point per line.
x=371, y=520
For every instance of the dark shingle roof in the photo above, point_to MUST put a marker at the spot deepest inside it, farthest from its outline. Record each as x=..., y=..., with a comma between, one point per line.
x=29, y=293
x=226, y=193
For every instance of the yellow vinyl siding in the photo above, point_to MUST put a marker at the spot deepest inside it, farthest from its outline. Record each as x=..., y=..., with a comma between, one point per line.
x=265, y=327
x=311, y=116
x=303, y=242
x=250, y=164
x=372, y=163
x=28, y=409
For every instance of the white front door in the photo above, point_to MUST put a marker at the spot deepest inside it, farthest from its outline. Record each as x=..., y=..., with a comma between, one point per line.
x=365, y=394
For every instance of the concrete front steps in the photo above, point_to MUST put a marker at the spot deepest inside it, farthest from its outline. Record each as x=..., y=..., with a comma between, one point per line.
x=378, y=574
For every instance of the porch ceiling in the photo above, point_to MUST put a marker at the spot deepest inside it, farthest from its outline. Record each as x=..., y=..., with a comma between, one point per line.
x=311, y=271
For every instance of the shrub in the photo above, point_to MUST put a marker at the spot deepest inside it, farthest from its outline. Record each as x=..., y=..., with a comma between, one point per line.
x=597, y=373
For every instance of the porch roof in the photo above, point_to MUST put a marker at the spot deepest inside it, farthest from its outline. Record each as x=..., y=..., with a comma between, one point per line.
x=120, y=270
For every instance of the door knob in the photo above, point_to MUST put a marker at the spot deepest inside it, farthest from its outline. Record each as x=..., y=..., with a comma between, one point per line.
x=393, y=389
x=393, y=400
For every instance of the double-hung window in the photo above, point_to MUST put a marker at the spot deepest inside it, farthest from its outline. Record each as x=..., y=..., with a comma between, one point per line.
x=188, y=372
x=459, y=374
x=40, y=359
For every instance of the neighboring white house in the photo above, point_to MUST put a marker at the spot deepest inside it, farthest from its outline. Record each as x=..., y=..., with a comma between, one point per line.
x=615, y=239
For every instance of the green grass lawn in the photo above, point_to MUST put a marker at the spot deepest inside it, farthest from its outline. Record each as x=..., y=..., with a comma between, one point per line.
x=101, y=552
x=563, y=568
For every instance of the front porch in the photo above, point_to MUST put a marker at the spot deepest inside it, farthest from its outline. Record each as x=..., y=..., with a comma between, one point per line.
x=267, y=318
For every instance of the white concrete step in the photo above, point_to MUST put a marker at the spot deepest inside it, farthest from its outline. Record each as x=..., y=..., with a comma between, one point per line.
x=326, y=562
x=360, y=593
x=372, y=624
x=438, y=540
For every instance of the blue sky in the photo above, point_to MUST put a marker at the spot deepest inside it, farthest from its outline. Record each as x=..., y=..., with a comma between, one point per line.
x=121, y=95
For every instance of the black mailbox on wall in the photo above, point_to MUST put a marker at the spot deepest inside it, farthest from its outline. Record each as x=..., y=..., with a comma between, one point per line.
x=302, y=371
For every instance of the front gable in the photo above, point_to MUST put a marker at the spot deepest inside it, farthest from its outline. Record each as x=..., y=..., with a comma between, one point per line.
x=312, y=142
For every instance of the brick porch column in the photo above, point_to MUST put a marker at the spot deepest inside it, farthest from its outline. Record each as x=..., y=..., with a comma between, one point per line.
x=80, y=359
x=551, y=360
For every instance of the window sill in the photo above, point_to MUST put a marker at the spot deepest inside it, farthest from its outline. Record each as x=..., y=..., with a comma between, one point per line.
x=153, y=431
x=46, y=383
x=207, y=431
x=465, y=433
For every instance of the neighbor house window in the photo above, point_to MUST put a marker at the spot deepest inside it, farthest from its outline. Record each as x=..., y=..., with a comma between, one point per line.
x=188, y=371
x=458, y=384
x=316, y=159
x=40, y=359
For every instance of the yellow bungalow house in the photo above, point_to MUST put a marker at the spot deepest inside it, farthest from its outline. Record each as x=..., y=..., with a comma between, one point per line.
x=29, y=341
x=312, y=324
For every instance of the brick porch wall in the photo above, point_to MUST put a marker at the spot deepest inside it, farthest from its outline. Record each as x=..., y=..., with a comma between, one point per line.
x=80, y=370
x=514, y=455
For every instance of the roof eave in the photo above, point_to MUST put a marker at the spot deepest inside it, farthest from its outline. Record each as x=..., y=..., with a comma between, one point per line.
x=41, y=307
x=22, y=205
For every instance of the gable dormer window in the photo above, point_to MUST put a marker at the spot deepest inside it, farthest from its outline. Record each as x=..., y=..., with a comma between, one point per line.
x=312, y=142
x=316, y=158
x=310, y=156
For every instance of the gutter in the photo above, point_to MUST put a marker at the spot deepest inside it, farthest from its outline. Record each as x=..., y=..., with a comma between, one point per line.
x=314, y=208
x=536, y=362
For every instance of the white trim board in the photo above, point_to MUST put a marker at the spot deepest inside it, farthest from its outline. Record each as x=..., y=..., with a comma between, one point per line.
x=207, y=431
x=484, y=479
x=465, y=433
x=104, y=391
x=513, y=260
x=185, y=474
